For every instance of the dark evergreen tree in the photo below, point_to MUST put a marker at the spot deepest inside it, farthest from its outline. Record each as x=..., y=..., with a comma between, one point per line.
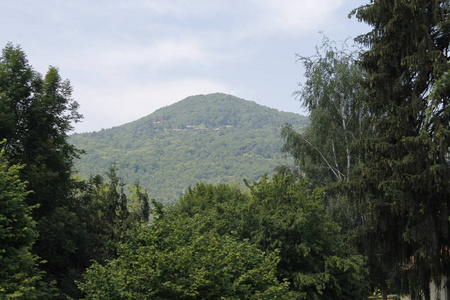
x=144, y=211
x=405, y=178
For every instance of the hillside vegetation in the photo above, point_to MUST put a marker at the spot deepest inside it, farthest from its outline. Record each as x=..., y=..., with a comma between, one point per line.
x=214, y=138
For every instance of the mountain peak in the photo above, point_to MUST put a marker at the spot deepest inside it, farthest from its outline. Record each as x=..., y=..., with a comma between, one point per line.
x=212, y=110
x=205, y=138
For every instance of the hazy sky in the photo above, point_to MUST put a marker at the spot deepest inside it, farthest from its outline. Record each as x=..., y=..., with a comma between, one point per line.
x=125, y=59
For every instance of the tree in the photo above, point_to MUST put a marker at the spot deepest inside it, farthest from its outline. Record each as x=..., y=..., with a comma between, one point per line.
x=20, y=277
x=405, y=176
x=102, y=206
x=284, y=215
x=36, y=119
x=332, y=95
x=36, y=116
x=139, y=203
x=219, y=241
x=325, y=152
x=169, y=260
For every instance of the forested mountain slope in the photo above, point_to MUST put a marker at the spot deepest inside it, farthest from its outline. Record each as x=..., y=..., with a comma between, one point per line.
x=207, y=138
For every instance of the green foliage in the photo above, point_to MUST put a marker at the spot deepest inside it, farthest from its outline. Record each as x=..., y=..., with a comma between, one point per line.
x=282, y=215
x=169, y=261
x=35, y=121
x=287, y=215
x=325, y=152
x=219, y=241
x=36, y=115
x=332, y=94
x=107, y=214
x=404, y=180
x=19, y=274
x=213, y=138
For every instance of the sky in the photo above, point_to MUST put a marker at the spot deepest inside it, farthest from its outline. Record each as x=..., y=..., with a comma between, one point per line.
x=126, y=59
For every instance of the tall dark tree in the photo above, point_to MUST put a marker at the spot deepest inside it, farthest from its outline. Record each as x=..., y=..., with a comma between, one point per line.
x=35, y=119
x=36, y=116
x=405, y=179
x=143, y=213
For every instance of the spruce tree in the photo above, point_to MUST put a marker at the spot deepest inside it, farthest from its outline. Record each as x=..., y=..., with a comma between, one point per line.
x=405, y=176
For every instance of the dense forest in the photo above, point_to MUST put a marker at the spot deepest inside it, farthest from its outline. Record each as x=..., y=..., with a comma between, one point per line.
x=213, y=138
x=362, y=208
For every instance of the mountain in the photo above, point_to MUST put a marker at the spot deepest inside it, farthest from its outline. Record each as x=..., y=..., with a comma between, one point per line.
x=206, y=138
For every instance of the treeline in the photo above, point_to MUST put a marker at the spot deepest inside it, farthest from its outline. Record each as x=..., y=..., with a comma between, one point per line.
x=365, y=208
x=273, y=241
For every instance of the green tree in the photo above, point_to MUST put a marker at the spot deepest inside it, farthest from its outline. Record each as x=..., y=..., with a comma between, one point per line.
x=139, y=205
x=332, y=95
x=220, y=240
x=103, y=207
x=282, y=214
x=169, y=260
x=325, y=152
x=20, y=277
x=285, y=214
x=404, y=180
x=36, y=116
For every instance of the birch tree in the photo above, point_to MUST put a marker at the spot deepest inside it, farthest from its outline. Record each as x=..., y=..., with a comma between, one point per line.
x=331, y=94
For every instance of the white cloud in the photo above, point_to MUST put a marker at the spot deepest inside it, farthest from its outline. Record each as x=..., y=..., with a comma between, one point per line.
x=255, y=17
x=182, y=8
x=125, y=58
x=160, y=54
x=293, y=15
x=214, y=32
x=178, y=9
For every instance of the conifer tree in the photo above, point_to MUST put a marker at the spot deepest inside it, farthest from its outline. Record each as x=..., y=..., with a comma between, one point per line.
x=405, y=177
